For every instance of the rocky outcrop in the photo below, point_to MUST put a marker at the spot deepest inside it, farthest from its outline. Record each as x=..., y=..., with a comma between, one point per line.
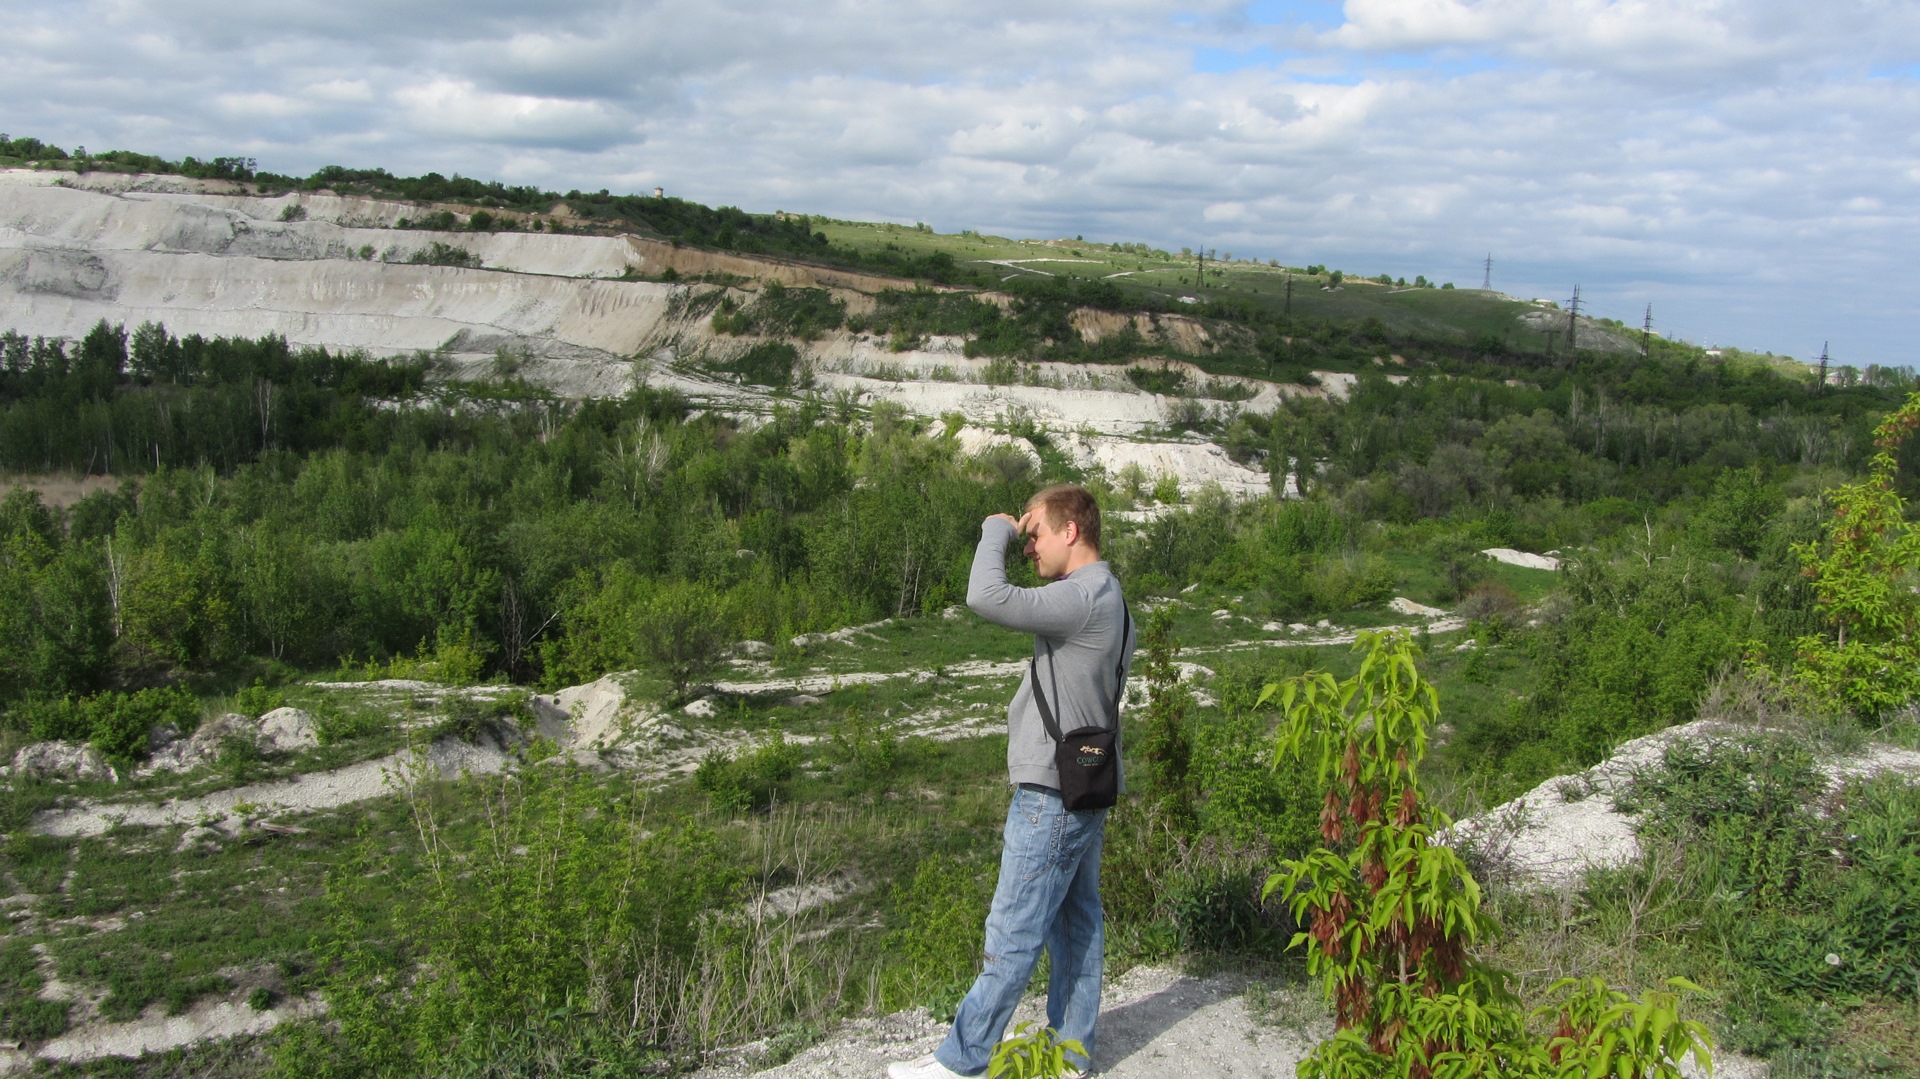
x=283, y=730
x=62, y=761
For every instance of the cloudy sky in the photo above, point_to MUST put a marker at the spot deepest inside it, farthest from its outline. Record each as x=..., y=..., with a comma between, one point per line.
x=1748, y=167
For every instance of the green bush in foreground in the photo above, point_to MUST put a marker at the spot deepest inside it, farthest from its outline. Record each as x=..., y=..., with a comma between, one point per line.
x=116, y=724
x=566, y=929
x=1809, y=903
x=1863, y=570
x=1390, y=911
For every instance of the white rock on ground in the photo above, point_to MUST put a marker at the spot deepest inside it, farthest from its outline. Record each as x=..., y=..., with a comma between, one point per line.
x=1521, y=558
x=62, y=761
x=308, y=793
x=1403, y=605
x=284, y=730
x=156, y=1032
x=203, y=745
x=585, y=716
x=1154, y=1022
x=1553, y=835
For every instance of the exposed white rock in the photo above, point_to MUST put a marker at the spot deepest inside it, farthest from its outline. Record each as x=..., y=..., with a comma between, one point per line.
x=974, y=441
x=203, y=745
x=304, y=793
x=203, y=1022
x=1521, y=558
x=284, y=730
x=63, y=761
x=1553, y=835
x=584, y=716
x=838, y=636
x=1403, y=605
x=704, y=708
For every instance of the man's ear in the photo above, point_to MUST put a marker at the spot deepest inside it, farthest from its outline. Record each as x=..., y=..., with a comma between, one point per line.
x=1072, y=531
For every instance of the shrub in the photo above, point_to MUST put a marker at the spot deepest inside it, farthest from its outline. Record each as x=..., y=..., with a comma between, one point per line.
x=937, y=917
x=1862, y=570
x=117, y=724
x=257, y=700
x=1390, y=911
x=681, y=629
x=751, y=782
x=438, y=253
x=769, y=363
x=600, y=973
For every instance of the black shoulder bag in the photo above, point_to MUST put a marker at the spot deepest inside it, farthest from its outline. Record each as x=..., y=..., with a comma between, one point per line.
x=1088, y=759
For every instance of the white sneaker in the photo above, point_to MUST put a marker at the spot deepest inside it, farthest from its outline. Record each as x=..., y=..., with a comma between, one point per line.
x=927, y=1067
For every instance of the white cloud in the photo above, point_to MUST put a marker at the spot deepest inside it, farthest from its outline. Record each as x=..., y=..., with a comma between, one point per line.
x=455, y=108
x=1744, y=164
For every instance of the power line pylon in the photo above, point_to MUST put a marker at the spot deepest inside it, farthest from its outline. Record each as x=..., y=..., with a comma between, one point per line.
x=1823, y=367
x=1646, y=333
x=1573, y=315
x=1486, y=279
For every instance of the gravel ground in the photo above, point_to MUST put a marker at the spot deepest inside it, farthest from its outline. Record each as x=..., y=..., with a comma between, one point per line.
x=1154, y=1022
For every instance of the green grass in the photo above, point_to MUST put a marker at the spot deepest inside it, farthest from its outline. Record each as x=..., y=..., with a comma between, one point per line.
x=1462, y=314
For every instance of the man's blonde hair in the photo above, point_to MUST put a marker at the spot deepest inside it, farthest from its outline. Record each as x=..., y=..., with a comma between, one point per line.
x=1065, y=502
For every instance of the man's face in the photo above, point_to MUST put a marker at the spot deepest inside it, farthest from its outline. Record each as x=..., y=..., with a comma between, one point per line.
x=1048, y=547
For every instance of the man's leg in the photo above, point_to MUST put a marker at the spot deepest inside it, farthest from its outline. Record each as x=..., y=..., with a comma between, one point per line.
x=1076, y=941
x=1041, y=850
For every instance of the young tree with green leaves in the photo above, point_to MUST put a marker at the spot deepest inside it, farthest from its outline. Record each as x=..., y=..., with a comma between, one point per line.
x=1863, y=571
x=1389, y=910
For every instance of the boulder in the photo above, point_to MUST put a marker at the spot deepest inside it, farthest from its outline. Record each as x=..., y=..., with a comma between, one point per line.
x=204, y=744
x=1403, y=605
x=63, y=761
x=286, y=729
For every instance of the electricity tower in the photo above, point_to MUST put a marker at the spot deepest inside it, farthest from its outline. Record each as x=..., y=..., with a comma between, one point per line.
x=1823, y=367
x=1646, y=333
x=1573, y=315
x=1486, y=279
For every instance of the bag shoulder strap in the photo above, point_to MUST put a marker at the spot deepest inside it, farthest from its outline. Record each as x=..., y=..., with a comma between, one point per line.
x=1119, y=677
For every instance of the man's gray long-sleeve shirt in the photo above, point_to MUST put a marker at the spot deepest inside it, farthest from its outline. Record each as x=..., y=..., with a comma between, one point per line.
x=1082, y=616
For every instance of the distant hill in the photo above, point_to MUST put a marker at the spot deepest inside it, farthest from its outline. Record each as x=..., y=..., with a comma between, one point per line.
x=1293, y=317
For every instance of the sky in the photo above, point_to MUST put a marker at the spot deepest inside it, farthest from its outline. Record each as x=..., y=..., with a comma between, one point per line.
x=1747, y=167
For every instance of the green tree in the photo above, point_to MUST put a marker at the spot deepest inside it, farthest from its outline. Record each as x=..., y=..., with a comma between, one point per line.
x=681, y=630
x=1863, y=571
x=1166, y=745
x=1390, y=911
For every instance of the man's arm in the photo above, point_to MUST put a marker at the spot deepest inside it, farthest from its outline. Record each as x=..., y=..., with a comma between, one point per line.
x=1054, y=610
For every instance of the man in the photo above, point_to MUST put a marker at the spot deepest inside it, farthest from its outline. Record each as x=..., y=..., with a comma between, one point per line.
x=1049, y=889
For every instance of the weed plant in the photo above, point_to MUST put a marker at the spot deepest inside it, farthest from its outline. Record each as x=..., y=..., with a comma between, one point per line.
x=1804, y=904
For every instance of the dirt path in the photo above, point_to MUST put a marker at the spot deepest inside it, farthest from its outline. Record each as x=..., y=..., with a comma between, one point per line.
x=301, y=794
x=1154, y=1023
x=157, y=1033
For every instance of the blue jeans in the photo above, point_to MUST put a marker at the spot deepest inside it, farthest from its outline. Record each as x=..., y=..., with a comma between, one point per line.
x=1048, y=896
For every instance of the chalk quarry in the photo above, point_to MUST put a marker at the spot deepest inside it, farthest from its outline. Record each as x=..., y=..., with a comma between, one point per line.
x=202, y=257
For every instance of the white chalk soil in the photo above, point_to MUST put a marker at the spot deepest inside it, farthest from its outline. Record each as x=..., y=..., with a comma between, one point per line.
x=1552, y=836
x=1154, y=1022
x=200, y=258
x=157, y=1032
x=231, y=810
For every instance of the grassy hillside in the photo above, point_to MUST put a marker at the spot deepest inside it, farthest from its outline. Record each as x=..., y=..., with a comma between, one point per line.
x=284, y=517
x=1419, y=321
